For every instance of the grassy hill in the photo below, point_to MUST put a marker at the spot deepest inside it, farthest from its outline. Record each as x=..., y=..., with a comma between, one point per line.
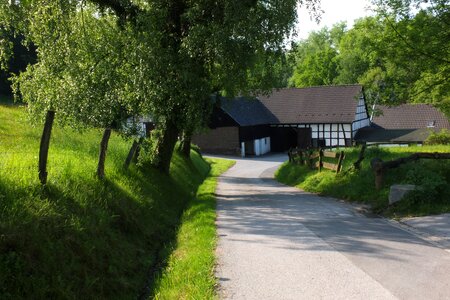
x=80, y=237
x=431, y=176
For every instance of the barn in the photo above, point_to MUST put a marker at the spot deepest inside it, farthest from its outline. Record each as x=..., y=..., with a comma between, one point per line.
x=238, y=127
x=291, y=117
x=323, y=116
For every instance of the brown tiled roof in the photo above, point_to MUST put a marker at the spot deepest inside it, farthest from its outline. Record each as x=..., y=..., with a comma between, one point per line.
x=410, y=116
x=324, y=104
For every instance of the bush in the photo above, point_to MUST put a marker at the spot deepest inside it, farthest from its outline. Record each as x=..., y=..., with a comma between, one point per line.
x=431, y=184
x=439, y=138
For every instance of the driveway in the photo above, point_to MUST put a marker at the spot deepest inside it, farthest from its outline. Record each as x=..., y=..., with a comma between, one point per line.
x=277, y=242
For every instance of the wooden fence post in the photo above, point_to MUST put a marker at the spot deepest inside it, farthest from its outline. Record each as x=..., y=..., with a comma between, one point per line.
x=377, y=167
x=45, y=144
x=341, y=158
x=102, y=154
x=357, y=164
x=320, y=159
x=131, y=154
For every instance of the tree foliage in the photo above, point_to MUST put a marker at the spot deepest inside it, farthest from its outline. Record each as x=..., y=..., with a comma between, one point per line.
x=402, y=54
x=101, y=59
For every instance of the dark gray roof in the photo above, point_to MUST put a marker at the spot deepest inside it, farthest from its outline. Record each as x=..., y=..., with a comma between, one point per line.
x=410, y=116
x=247, y=112
x=322, y=104
x=381, y=135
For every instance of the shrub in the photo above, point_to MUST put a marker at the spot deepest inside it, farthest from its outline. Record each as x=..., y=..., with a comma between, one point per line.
x=431, y=184
x=439, y=138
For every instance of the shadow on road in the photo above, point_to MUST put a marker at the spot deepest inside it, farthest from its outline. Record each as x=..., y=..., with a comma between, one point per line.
x=270, y=208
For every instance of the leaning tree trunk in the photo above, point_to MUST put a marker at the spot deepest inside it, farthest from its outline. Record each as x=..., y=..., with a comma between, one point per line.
x=102, y=155
x=165, y=146
x=137, y=152
x=131, y=154
x=45, y=144
x=185, y=145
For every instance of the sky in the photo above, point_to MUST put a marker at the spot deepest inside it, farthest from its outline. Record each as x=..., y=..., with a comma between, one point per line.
x=334, y=11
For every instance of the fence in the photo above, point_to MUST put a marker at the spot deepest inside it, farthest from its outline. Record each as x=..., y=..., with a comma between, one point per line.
x=309, y=157
x=380, y=167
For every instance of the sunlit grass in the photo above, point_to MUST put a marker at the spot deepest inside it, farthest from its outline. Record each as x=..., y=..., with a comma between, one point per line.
x=190, y=269
x=80, y=237
x=359, y=186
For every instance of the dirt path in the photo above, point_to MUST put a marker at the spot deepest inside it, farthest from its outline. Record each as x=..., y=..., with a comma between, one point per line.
x=276, y=242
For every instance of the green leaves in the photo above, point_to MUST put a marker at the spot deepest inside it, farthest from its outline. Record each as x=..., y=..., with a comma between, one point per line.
x=400, y=55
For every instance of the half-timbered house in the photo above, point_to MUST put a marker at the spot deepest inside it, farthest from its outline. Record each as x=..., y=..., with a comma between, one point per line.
x=324, y=116
x=292, y=117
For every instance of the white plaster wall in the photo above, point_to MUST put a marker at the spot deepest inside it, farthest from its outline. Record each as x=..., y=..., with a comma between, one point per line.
x=262, y=146
x=257, y=147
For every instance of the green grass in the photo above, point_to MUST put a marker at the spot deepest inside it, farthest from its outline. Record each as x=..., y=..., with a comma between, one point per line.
x=190, y=269
x=79, y=237
x=432, y=176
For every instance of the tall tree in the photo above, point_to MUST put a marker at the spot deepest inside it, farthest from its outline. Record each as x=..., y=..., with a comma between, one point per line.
x=80, y=70
x=177, y=53
x=316, y=58
x=191, y=49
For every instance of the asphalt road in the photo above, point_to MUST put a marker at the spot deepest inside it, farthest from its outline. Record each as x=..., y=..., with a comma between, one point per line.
x=277, y=242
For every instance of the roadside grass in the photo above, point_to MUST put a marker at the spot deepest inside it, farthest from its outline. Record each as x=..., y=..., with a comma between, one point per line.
x=189, y=273
x=79, y=237
x=431, y=176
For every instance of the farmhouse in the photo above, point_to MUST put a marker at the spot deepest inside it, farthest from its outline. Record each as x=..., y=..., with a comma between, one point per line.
x=291, y=117
x=403, y=124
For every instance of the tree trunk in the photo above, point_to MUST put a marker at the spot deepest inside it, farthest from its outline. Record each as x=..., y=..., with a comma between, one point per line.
x=185, y=145
x=102, y=155
x=45, y=144
x=138, y=150
x=131, y=154
x=165, y=146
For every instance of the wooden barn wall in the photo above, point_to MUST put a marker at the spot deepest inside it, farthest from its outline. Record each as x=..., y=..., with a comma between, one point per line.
x=247, y=133
x=221, y=140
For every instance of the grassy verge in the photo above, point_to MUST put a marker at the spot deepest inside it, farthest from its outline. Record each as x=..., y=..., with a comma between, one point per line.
x=432, y=177
x=190, y=269
x=81, y=238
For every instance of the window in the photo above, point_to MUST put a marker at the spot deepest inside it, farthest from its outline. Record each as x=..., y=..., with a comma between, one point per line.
x=431, y=124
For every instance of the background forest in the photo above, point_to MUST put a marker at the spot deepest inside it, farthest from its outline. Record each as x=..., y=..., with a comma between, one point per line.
x=401, y=54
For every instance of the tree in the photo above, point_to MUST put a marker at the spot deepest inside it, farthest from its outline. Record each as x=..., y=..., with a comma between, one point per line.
x=400, y=55
x=189, y=50
x=171, y=56
x=316, y=58
x=79, y=73
x=419, y=35
x=21, y=56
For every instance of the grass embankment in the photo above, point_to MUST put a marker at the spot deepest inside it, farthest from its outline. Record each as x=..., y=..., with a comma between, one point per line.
x=190, y=268
x=80, y=237
x=431, y=176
